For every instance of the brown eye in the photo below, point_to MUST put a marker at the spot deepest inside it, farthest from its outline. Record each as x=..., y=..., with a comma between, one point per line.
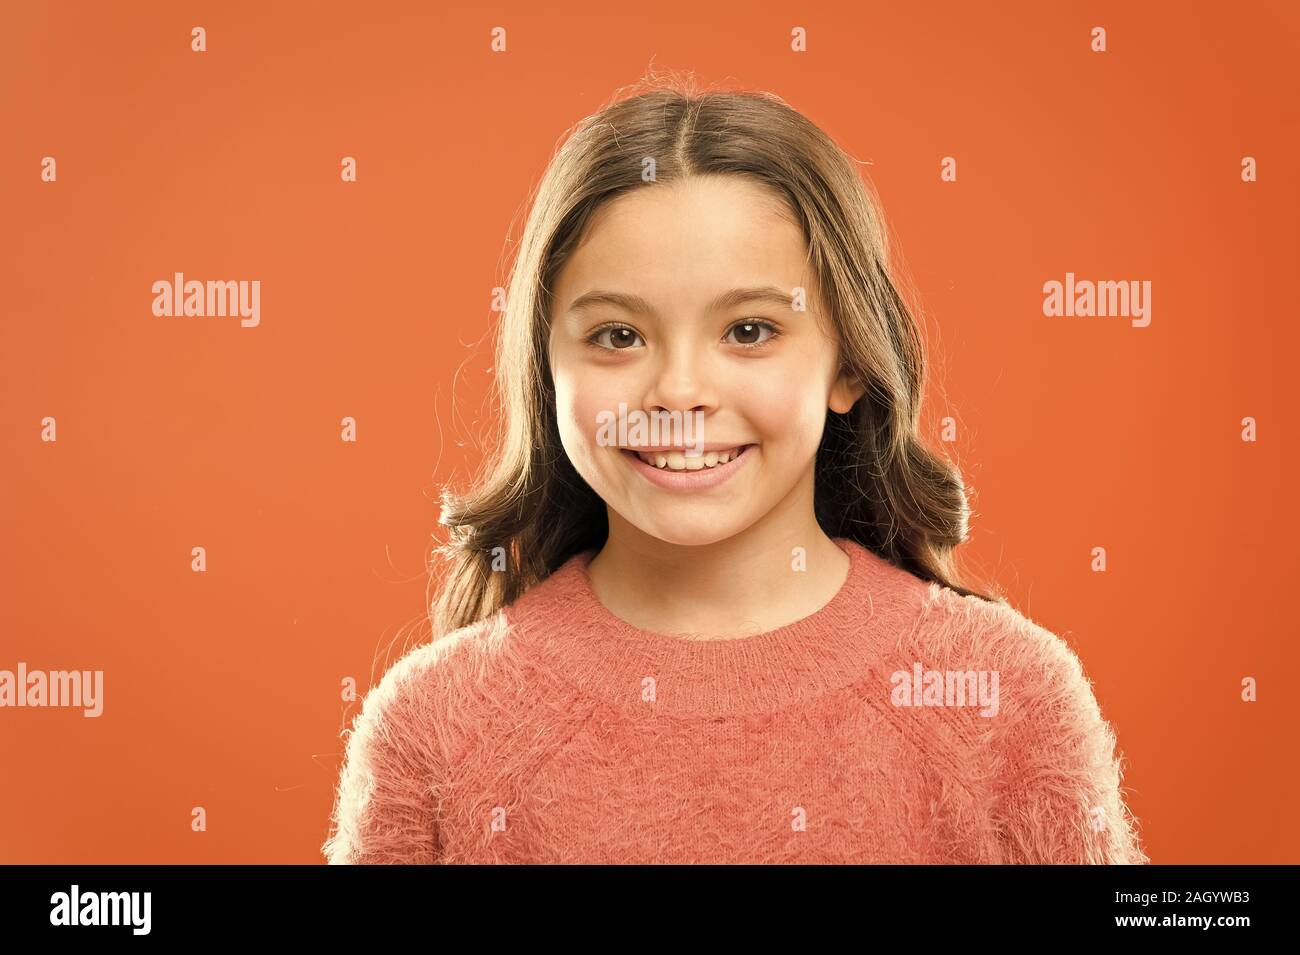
x=750, y=333
x=621, y=338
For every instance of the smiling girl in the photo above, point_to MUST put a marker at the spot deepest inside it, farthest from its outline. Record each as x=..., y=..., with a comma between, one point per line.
x=750, y=647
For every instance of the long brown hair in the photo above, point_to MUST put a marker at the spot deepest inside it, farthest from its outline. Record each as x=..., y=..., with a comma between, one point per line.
x=876, y=481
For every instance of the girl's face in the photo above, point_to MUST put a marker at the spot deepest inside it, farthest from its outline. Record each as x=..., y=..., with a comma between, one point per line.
x=651, y=313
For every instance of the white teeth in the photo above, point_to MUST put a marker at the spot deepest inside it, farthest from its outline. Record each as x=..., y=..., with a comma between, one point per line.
x=679, y=461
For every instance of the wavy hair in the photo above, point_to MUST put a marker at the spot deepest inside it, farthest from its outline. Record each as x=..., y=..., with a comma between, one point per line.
x=876, y=481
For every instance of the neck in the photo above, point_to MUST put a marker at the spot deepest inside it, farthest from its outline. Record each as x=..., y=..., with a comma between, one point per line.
x=749, y=583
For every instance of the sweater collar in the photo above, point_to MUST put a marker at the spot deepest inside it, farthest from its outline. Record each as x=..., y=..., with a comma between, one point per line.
x=582, y=641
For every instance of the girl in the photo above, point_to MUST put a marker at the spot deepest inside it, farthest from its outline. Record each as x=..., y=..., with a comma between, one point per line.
x=741, y=641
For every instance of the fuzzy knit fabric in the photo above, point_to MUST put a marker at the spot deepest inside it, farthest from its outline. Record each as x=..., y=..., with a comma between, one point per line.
x=554, y=732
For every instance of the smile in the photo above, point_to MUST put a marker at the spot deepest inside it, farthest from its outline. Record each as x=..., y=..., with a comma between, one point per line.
x=681, y=472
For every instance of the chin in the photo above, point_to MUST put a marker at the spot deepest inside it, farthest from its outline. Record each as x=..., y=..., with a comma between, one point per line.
x=685, y=529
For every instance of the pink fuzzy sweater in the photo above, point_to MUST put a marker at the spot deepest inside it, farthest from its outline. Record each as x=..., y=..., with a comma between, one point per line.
x=900, y=723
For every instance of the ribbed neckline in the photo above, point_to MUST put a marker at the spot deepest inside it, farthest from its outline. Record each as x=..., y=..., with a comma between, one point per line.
x=584, y=642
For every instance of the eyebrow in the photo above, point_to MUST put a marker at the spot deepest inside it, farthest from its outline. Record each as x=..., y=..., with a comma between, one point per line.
x=766, y=294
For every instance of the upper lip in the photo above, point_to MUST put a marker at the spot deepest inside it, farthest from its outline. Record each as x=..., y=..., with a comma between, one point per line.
x=707, y=446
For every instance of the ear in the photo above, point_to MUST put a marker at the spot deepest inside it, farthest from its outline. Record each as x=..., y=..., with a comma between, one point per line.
x=845, y=392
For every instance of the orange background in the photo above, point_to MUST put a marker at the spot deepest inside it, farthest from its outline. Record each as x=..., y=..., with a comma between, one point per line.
x=222, y=688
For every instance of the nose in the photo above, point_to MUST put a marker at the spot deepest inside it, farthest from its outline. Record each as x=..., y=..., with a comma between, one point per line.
x=681, y=381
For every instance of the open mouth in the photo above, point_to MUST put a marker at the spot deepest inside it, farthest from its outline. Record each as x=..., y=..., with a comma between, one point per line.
x=681, y=461
x=675, y=470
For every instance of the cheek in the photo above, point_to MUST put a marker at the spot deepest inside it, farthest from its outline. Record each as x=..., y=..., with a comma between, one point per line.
x=579, y=398
x=785, y=412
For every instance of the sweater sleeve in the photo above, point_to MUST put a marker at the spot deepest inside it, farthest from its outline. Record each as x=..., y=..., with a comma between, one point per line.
x=386, y=801
x=1060, y=800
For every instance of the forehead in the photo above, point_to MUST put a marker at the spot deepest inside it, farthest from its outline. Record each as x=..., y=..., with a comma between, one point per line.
x=680, y=242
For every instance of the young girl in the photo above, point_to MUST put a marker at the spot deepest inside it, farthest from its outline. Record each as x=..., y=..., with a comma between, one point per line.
x=739, y=637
